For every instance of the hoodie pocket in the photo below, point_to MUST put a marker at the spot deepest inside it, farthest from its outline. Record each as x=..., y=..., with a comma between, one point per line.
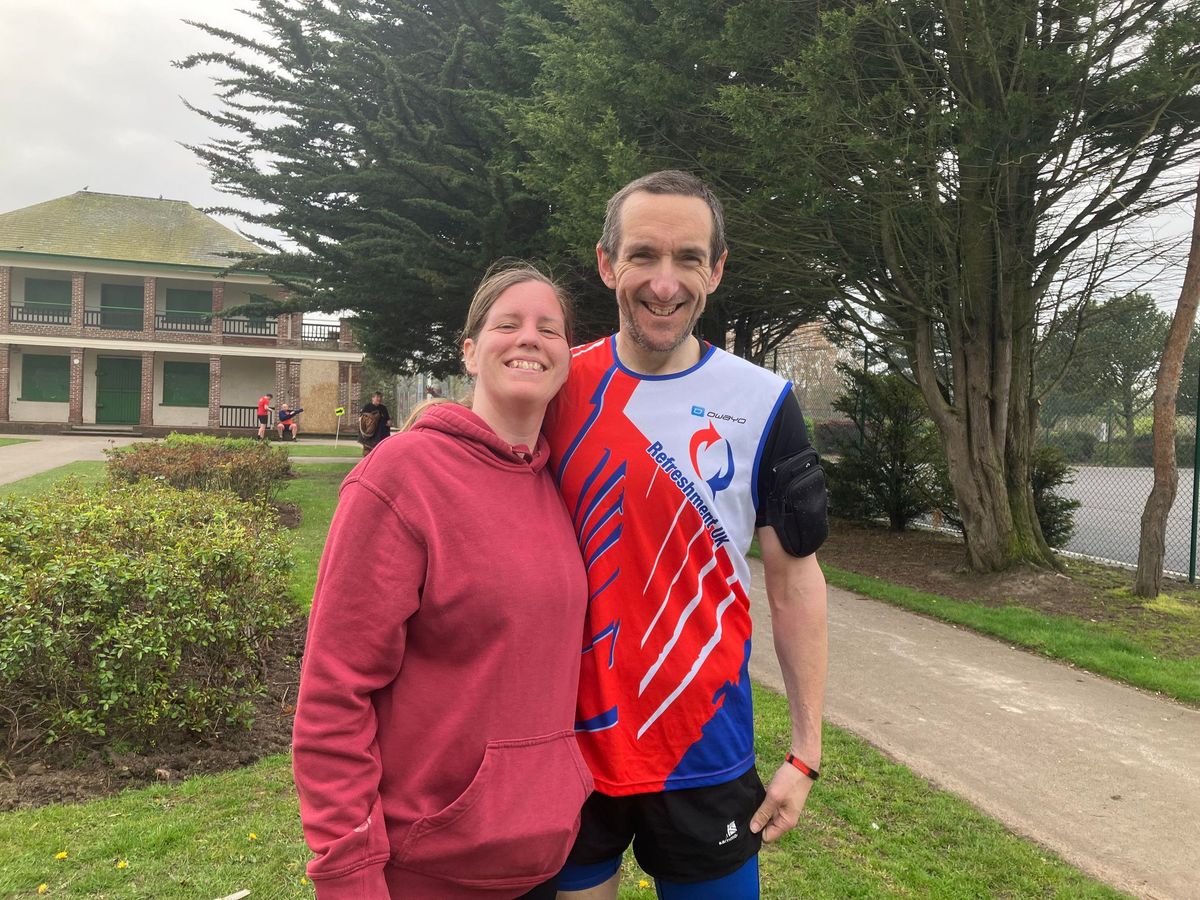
x=514, y=823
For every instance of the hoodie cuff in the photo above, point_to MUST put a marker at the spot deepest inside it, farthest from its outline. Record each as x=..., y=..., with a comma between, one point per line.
x=367, y=883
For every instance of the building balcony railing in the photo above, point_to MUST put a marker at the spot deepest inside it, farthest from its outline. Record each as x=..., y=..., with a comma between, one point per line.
x=194, y=323
x=114, y=319
x=239, y=416
x=318, y=333
x=39, y=315
x=251, y=327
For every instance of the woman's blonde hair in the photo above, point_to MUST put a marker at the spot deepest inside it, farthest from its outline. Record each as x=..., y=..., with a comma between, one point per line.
x=423, y=407
x=499, y=278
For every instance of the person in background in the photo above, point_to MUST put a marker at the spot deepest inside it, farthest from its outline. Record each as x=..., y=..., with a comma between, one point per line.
x=434, y=749
x=287, y=420
x=264, y=415
x=673, y=455
x=374, y=423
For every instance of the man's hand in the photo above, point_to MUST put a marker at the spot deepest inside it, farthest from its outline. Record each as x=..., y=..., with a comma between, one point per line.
x=780, y=811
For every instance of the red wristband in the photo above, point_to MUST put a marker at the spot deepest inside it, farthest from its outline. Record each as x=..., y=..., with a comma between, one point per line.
x=807, y=770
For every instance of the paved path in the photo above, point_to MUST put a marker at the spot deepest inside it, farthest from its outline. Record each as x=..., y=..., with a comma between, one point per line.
x=1105, y=775
x=49, y=451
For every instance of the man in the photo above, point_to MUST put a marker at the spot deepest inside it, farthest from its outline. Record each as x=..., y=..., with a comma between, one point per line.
x=374, y=423
x=672, y=455
x=287, y=421
x=264, y=415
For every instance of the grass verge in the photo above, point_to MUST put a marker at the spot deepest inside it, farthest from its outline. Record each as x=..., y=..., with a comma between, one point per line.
x=350, y=450
x=5, y=442
x=87, y=471
x=872, y=829
x=315, y=491
x=1060, y=637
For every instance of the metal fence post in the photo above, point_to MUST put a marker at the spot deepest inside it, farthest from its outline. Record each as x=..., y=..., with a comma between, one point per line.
x=1195, y=486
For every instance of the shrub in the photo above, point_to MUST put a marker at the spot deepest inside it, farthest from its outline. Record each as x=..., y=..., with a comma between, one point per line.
x=251, y=469
x=891, y=475
x=137, y=611
x=1049, y=470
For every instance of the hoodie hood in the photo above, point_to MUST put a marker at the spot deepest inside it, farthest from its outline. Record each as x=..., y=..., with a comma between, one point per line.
x=476, y=435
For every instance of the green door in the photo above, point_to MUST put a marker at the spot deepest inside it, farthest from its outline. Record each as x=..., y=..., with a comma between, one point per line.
x=118, y=390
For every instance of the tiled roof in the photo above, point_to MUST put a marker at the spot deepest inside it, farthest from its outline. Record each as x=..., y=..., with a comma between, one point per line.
x=120, y=227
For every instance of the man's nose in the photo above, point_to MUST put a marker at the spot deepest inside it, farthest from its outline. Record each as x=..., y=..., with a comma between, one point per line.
x=665, y=280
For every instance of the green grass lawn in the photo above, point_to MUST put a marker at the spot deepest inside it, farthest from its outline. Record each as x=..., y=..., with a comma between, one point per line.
x=89, y=471
x=1084, y=644
x=5, y=442
x=315, y=491
x=348, y=449
x=872, y=829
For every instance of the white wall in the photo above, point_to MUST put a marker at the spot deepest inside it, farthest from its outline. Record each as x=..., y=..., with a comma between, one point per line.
x=246, y=378
x=173, y=416
x=27, y=410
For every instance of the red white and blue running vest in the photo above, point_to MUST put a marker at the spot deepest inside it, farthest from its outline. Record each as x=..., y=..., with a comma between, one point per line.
x=660, y=476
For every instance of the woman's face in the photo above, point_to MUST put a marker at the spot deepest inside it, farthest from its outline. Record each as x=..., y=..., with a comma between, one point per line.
x=520, y=357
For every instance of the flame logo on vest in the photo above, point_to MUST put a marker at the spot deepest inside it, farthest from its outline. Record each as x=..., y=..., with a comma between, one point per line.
x=704, y=439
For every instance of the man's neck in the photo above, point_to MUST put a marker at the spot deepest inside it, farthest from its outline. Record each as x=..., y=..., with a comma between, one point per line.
x=651, y=362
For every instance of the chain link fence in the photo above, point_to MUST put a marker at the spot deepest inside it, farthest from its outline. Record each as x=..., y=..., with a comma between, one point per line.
x=1105, y=439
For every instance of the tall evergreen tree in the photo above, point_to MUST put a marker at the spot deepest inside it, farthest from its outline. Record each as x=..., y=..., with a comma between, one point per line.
x=942, y=164
x=628, y=89
x=372, y=129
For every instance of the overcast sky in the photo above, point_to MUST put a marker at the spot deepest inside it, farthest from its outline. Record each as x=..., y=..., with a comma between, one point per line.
x=89, y=98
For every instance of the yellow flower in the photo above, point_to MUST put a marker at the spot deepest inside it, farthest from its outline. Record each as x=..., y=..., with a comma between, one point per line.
x=303, y=880
x=643, y=883
x=62, y=855
x=252, y=837
x=122, y=864
x=42, y=888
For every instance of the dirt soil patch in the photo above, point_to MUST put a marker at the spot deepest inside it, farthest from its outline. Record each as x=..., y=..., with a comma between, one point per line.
x=49, y=775
x=935, y=563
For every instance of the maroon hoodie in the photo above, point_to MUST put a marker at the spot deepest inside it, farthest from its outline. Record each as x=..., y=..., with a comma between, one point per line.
x=433, y=748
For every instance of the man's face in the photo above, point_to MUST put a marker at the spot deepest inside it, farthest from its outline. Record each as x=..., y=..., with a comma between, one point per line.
x=377, y=399
x=662, y=273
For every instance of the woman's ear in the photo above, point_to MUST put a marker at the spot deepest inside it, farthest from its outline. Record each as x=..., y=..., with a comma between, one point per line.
x=469, y=357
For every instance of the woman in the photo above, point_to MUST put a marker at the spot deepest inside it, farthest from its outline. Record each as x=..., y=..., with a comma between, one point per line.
x=433, y=748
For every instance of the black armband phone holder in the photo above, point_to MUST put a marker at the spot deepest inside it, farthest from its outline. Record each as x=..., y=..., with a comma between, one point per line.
x=796, y=507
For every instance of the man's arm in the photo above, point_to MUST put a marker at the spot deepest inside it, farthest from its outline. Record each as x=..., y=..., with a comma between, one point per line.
x=797, y=595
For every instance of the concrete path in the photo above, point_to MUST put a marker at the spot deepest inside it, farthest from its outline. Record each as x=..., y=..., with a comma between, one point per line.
x=1105, y=775
x=43, y=452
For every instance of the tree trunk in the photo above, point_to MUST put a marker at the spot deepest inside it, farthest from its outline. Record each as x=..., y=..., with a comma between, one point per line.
x=1148, y=580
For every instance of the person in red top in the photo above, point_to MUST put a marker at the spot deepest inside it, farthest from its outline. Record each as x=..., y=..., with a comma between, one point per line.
x=434, y=750
x=264, y=414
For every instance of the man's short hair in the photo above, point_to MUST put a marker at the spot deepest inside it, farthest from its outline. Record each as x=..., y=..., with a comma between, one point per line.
x=668, y=181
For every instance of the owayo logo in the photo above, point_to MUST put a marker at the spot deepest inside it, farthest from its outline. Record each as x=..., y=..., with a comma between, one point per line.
x=703, y=440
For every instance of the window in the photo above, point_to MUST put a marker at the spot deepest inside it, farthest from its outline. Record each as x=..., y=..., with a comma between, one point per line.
x=46, y=379
x=187, y=306
x=185, y=383
x=47, y=295
x=121, y=306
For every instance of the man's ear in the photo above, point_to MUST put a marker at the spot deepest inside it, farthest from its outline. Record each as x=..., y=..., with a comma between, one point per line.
x=717, y=273
x=604, y=264
x=469, y=357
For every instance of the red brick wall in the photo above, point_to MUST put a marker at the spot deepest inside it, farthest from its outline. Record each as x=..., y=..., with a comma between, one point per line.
x=5, y=295
x=146, y=416
x=214, y=390
x=149, y=293
x=75, y=412
x=5, y=364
